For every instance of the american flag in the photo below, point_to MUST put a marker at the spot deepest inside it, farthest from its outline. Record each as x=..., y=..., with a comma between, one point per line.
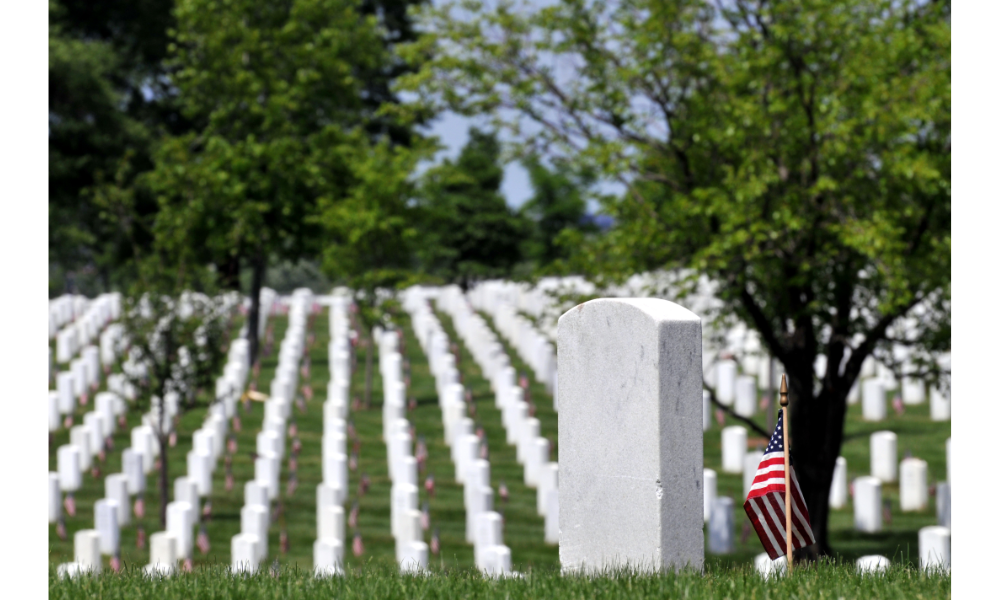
x=766, y=503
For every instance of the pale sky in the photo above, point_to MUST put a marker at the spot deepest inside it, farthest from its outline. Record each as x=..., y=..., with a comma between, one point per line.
x=453, y=130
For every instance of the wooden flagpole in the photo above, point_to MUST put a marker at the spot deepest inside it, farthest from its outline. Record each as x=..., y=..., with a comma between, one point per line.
x=788, y=473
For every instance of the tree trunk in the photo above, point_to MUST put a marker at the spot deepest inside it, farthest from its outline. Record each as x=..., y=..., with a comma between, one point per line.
x=164, y=478
x=229, y=273
x=253, y=320
x=817, y=432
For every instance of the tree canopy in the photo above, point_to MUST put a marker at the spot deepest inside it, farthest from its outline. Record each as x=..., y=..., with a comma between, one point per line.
x=469, y=231
x=797, y=153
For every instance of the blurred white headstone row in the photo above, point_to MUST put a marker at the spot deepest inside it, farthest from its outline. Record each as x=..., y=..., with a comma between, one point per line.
x=114, y=510
x=522, y=430
x=331, y=493
x=531, y=345
x=731, y=356
x=484, y=526
x=404, y=515
x=250, y=546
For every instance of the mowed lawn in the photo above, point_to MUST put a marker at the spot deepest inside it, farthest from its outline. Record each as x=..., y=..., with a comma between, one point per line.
x=523, y=528
x=382, y=581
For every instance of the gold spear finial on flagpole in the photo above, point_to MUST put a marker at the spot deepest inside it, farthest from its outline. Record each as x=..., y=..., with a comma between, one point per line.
x=788, y=472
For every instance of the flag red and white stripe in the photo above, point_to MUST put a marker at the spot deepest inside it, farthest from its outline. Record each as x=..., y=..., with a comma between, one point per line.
x=765, y=505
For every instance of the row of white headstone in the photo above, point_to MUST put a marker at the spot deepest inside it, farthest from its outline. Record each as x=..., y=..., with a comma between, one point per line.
x=523, y=431
x=81, y=321
x=483, y=525
x=531, y=345
x=331, y=493
x=404, y=516
x=250, y=547
x=741, y=391
x=176, y=543
x=88, y=439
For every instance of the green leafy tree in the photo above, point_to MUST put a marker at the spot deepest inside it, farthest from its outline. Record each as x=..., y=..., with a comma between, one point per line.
x=470, y=232
x=176, y=349
x=371, y=236
x=798, y=153
x=89, y=139
x=558, y=205
x=276, y=93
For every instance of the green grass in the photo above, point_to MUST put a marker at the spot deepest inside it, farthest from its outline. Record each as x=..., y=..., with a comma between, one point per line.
x=380, y=580
x=523, y=531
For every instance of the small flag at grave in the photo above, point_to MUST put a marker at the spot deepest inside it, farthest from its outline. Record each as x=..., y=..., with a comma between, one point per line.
x=436, y=542
x=203, y=545
x=781, y=520
x=352, y=518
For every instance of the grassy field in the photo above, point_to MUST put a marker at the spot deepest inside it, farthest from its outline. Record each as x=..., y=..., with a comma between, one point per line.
x=380, y=580
x=523, y=529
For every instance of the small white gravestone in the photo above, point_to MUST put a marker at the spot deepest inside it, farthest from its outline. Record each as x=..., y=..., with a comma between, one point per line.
x=942, y=500
x=873, y=400
x=940, y=406
x=266, y=471
x=55, y=420
x=116, y=488
x=630, y=389
x=186, y=490
x=552, y=516
x=489, y=532
x=768, y=568
x=711, y=485
x=935, y=548
x=92, y=421
x=868, y=504
x=913, y=391
x=245, y=551
x=734, y=448
x=912, y=484
x=497, y=561
x=530, y=429
x=872, y=564
x=87, y=550
x=854, y=395
x=480, y=501
x=746, y=396
x=750, y=463
x=106, y=524
x=180, y=522
x=330, y=522
x=720, y=526
x=883, y=456
x=404, y=497
x=947, y=459
x=253, y=521
x=413, y=557
x=162, y=554
x=55, y=498
x=838, y=487
x=199, y=469
x=135, y=473
x=548, y=480
x=80, y=437
x=725, y=391
x=69, y=468
x=328, y=557
x=537, y=456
